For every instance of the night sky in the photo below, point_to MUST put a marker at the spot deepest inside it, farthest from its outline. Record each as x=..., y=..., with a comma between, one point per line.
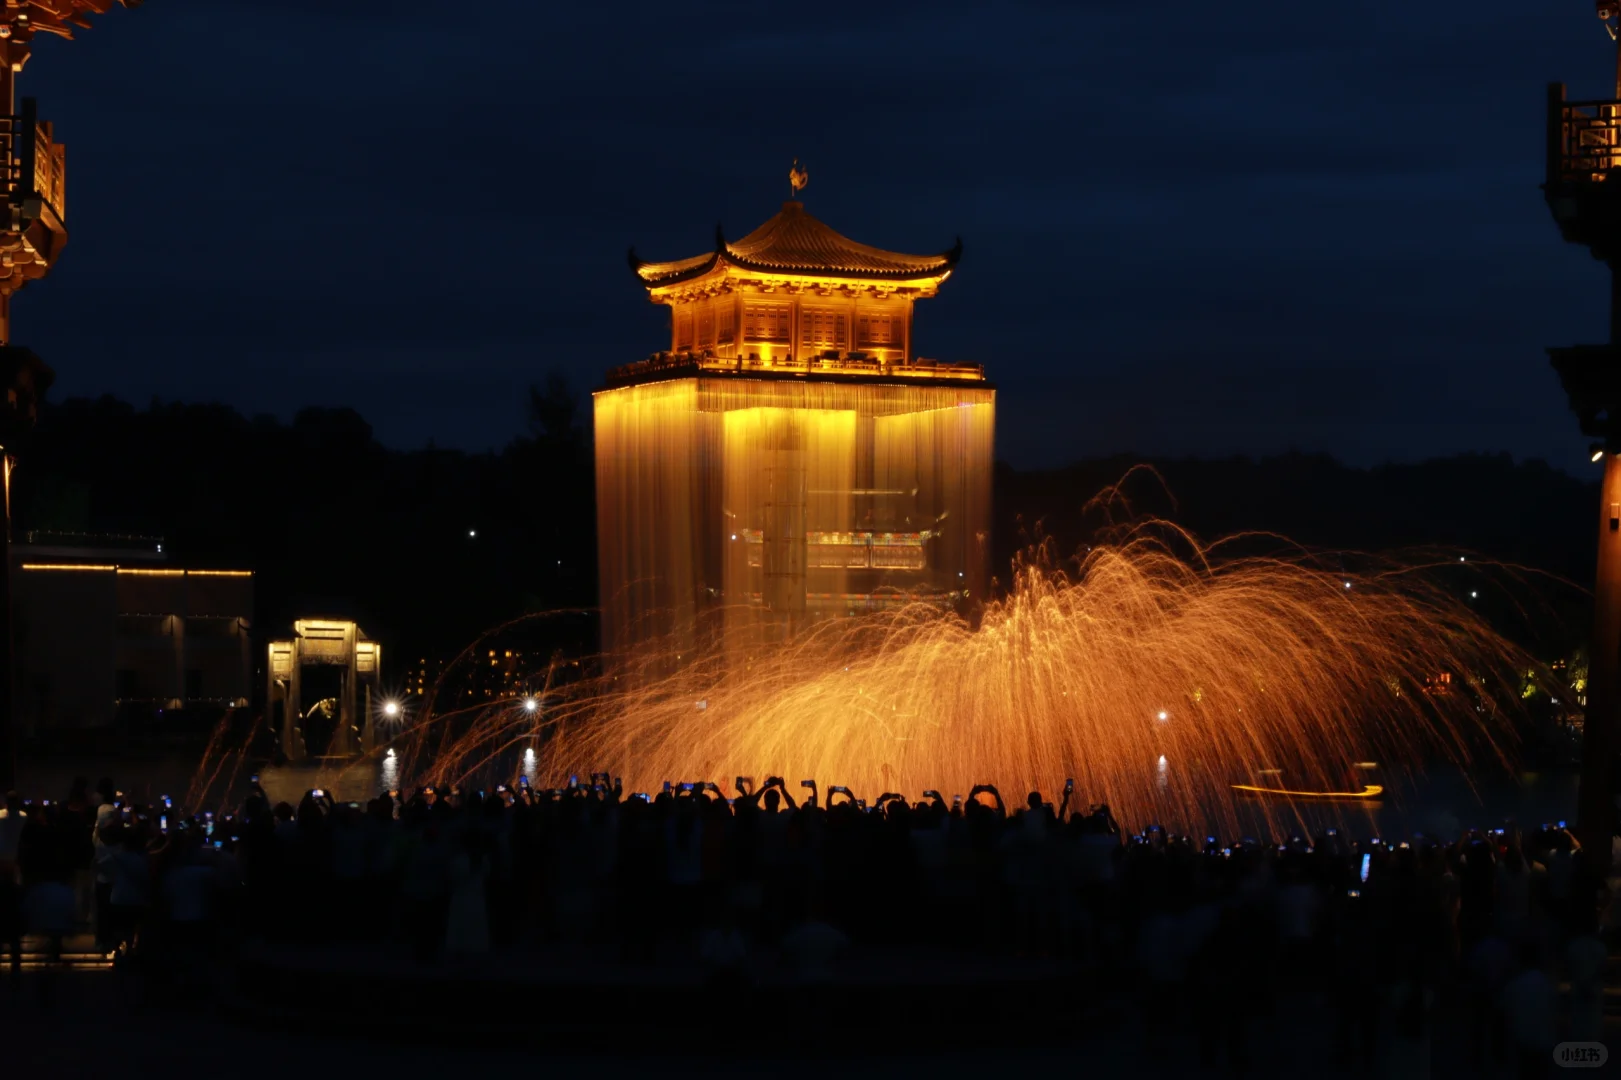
x=1202, y=229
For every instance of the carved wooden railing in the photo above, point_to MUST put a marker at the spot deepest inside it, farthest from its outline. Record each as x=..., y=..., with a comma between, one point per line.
x=694, y=363
x=1583, y=143
x=33, y=166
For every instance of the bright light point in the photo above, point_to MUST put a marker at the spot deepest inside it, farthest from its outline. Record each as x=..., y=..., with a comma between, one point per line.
x=1162, y=761
x=1163, y=715
x=1597, y=456
x=529, y=754
x=391, y=709
x=390, y=752
x=530, y=704
x=1347, y=584
x=1473, y=594
x=734, y=536
x=471, y=533
x=1462, y=559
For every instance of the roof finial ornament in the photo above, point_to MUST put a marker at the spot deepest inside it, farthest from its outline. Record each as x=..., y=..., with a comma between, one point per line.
x=797, y=178
x=1609, y=11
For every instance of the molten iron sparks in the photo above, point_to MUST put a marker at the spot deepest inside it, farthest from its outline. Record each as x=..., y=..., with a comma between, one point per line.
x=1156, y=680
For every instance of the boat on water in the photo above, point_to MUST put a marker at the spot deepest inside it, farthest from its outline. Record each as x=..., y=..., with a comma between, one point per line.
x=1369, y=791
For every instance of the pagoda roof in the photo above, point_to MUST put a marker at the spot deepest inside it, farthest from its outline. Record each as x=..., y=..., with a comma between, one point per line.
x=793, y=242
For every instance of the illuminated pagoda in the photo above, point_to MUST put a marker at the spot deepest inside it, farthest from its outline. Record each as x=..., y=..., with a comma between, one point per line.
x=787, y=459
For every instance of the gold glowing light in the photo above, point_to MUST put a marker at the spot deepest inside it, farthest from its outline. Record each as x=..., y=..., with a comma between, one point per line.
x=1267, y=663
x=843, y=497
x=1369, y=791
x=137, y=570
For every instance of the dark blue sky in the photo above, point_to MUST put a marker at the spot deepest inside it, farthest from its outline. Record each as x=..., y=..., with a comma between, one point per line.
x=1187, y=229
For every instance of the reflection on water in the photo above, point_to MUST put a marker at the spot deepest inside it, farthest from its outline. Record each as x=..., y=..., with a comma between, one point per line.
x=389, y=778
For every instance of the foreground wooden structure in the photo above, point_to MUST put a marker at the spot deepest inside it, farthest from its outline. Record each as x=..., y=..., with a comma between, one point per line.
x=33, y=231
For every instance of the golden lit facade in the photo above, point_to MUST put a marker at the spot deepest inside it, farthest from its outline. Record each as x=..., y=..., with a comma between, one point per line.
x=787, y=460
x=338, y=643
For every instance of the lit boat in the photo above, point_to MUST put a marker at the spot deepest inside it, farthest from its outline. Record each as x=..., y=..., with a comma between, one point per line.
x=1369, y=791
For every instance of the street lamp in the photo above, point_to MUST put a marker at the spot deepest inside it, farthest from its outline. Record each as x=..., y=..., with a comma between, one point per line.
x=391, y=709
x=530, y=705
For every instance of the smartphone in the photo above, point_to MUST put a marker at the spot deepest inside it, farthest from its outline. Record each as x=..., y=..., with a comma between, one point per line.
x=743, y=781
x=642, y=795
x=931, y=794
x=208, y=829
x=523, y=781
x=686, y=787
x=862, y=803
x=163, y=823
x=956, y=800
x=666, y=787
x=1069, y=786
x=573, y=780
x=254, y=780
x=318, y=793
x=168, y=804
x=1366, y=862
x=1561, y=824
x=1353, y=893
x=807, y=783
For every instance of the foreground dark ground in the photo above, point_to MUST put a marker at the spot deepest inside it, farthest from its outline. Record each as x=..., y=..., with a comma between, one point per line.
x=103, y=1019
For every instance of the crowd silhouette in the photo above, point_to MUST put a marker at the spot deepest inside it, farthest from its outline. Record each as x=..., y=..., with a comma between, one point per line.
x=1208, y=931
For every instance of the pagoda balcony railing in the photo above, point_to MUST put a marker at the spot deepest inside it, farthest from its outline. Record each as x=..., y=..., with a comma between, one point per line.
x=33, y=166
x=1584, y=139
x=822, y=364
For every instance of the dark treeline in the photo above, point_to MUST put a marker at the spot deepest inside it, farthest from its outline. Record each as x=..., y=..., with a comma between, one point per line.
x=335, y=523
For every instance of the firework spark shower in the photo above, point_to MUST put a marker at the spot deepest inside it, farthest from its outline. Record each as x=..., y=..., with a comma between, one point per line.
x=1156, y=673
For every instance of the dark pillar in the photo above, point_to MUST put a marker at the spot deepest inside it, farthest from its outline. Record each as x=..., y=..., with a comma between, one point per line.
x=8, y=736
x=25, y=380
x=1596, y=807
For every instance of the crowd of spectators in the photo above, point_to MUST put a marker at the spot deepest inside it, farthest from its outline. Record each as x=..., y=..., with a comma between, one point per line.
x=1205, y=929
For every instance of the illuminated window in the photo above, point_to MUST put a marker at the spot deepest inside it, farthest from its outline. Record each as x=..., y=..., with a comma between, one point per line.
x=706, y=332
x=766, y=322
x=683, y=329
x=726, y=323
x=879, y=331
x=821, y=328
